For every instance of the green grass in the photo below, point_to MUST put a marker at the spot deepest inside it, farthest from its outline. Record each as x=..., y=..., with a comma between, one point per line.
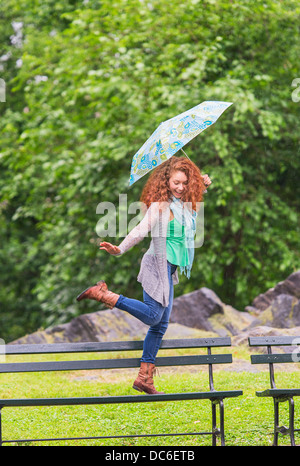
x=248, y=419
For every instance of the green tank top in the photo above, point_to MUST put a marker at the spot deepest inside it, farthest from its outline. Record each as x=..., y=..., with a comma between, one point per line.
x=177, y=252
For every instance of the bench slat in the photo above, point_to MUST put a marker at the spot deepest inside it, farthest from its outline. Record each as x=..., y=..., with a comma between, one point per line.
x=274, y=341
x=272, y=358
x=112, y=363
x=277, y=392
x=113, y=346
x=120, y=399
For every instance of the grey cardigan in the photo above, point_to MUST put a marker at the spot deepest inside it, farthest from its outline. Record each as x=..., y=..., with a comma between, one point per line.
x=153, y=274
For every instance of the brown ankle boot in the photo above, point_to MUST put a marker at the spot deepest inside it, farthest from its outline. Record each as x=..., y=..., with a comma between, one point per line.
x=100, y=292
x=144, y=380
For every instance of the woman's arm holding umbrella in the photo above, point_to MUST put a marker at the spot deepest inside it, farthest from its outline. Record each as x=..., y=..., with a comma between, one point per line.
x=207, y=180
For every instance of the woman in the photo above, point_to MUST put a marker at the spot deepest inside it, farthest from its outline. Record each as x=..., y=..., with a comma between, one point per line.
x=170, y=196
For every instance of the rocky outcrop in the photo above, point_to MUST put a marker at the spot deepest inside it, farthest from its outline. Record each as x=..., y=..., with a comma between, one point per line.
x=97, y=326
x=195, y=315
x=283, y=312
x=278, y=307
x=264, y=331
x=109, y=325
x=290, y=286
x=204, y=310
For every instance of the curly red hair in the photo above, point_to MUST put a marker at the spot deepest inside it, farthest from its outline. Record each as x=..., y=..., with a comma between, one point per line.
x=157, y=188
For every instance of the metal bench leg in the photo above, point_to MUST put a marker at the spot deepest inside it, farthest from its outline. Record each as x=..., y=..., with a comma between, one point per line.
x=276, y=422
x=214, y=424
x=215, y=431
x=282, y=429
x=0, y=426
x=221, y=404
x=291, y=420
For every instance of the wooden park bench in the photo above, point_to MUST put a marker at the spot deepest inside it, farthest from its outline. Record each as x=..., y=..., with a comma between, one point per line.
x=215, y=396
x=279, y=395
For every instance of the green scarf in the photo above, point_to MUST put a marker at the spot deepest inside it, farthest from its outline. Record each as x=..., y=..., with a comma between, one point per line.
x=186, y=217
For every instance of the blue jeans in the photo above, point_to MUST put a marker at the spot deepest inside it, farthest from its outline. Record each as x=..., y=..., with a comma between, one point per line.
x=151, y=313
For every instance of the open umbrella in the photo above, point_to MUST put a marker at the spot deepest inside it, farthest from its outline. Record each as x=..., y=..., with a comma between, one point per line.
x=171, y=135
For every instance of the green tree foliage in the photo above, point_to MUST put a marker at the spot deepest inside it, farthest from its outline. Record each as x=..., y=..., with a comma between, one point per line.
x=87, y=83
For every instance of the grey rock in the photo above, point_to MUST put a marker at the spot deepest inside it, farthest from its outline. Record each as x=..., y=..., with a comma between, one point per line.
x=194, y=309
x=289, y=286
x=283, y=312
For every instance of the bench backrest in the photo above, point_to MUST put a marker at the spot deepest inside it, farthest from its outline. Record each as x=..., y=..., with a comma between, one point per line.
x=271, y=358
x=117, y=363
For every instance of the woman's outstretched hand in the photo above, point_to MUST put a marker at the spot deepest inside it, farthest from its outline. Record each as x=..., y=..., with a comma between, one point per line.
x=110, y=248
x=207, y=180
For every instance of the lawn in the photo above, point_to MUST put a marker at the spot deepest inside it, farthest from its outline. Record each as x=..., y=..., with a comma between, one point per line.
x=248, y=419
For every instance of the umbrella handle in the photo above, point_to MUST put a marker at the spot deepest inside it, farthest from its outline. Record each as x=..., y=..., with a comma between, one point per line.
x=185, y=154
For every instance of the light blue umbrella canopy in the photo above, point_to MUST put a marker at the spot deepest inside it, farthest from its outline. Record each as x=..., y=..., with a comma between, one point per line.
x=171, y=135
